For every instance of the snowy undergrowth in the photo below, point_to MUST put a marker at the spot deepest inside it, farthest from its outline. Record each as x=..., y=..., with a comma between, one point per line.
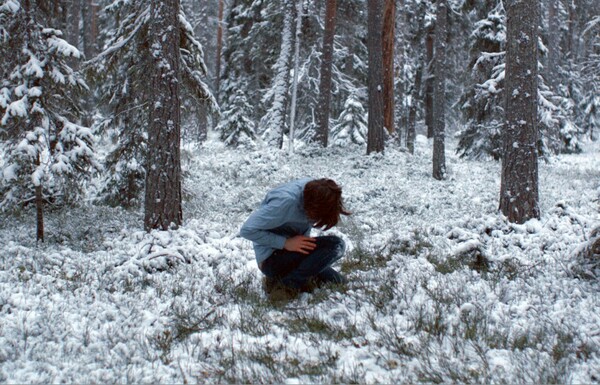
x=442, y=288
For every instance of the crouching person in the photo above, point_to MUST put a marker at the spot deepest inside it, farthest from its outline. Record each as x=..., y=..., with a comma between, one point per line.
x=286, y=254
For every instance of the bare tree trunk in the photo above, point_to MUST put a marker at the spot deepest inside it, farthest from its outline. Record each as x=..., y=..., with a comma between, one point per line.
x=73, y=10
x=553, y=43
x=389, y=21
x=296, y=67
x=163, y=167
x=429, y=40
x=39, y=206
x=570, y=49
x=322, y=133
x=90, y=28
x=439, y=98
x=412, y=113
x=519, y=200
x=375, y=142
x=400, y=90
x=219, y=49
x=202, y=131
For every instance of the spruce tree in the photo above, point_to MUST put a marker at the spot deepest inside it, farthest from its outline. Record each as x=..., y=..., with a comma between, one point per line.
x=48, y=154
x=351, y=126
x=120, y=74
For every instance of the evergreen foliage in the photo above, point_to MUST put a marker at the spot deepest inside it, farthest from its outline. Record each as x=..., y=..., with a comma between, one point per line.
x=42, y=140
x=120, y=73
x=254, y=62
x=589, y=105
x=351, y=125
x=482, y=103
x=235, y=127
x=274, y=123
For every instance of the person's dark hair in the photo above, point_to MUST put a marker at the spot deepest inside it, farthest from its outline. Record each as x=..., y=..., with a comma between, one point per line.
x=323, y=202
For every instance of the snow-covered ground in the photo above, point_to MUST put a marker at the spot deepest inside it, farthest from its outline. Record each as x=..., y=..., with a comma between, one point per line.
x=441, y=287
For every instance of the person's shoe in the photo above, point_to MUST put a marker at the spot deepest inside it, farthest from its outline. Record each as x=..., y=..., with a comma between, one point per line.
x=282, y=293
x=268, y=284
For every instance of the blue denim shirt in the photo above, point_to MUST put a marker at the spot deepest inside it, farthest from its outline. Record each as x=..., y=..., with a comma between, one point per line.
x=280, y=216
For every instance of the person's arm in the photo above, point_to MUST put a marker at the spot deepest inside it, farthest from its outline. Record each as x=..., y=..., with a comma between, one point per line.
x=268, y=216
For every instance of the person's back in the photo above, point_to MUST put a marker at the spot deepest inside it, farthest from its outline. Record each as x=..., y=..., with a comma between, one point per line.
x=280, y=231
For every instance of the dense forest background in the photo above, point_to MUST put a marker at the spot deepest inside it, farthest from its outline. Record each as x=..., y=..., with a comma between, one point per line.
x=82, y=80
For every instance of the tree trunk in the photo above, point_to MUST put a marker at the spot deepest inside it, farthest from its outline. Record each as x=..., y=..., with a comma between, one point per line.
x=519, y=185
x=219, y=49
x=296, y=68
x=163, y=167
x=429, y=40
x=73, y=10
x=375, y=138
x=439, y=96
x=322, y=133
x=39, y=206
x=389, y=21
x=553, y=43
x=401, y=106
x=202, y=130
x=570, y=49
x=412, y=113
x=90, y=28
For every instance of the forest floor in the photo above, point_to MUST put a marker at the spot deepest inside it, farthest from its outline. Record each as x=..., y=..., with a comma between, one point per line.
x=441, y=288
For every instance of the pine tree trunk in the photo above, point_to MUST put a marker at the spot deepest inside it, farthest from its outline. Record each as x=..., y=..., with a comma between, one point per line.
x=412, y=113
x=570, y=49
x=163, y=167
x=202, y=131
x=90, y=28
x=322, y=133
x=519, y=185
x=439, y=96
x=553, y=43
x=73, y=10
x=429, y=79
x=400, y=86
x=296, y=68
x=389, y=21
x=39, y=206
x=219, y=49
x=276, y=122
x=375, y=142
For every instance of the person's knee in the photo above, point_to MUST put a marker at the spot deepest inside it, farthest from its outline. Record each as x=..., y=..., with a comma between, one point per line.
x=333, y=243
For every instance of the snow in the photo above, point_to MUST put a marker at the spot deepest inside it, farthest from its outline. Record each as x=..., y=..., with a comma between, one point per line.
x=104, y=301
x=10, y=172
x=62, y=47
x=10, y=6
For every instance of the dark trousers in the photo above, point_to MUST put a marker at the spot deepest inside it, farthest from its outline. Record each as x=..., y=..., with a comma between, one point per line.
x=295, y=269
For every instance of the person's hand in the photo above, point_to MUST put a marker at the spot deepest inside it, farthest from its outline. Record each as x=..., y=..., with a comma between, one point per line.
x=300, y=244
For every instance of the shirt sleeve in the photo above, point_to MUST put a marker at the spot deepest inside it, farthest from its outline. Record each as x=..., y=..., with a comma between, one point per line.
x=270, y=215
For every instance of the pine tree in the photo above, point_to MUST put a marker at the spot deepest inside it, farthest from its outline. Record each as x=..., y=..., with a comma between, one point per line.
x=519, y=199
x=590, y=106
x=236, y=128
x=120, y=73
x=375, y=139
x=388, y=41
x=439, y=94
x=482, y=103
x=590, y=102
x=250, y=49
x=324, y=106
x=162, y=203
x=274, y=123
x=351, y=126
x=48, y=154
